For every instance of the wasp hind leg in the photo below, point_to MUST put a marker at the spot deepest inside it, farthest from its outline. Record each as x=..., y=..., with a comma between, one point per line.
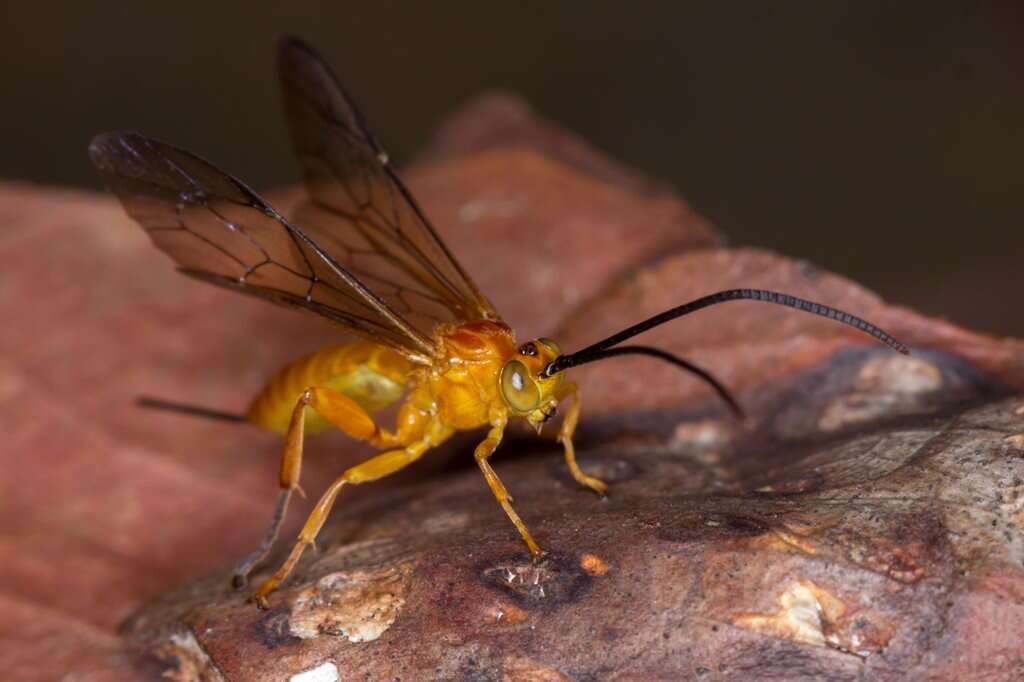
x=372, y=469
x=242, y=570
x=565, y=438
x=343, y=413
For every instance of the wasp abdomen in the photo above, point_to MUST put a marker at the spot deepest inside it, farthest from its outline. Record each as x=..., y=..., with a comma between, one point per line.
x=372, y=375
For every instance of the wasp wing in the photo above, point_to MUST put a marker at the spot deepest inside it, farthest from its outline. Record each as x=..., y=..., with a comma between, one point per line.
x=358, y=208
x=220, y=231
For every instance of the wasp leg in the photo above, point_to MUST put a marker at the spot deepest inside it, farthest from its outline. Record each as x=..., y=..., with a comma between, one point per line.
x=250, y=562
x=570, y=390
x=345, y=414
x=376, y=467
x=483, y=451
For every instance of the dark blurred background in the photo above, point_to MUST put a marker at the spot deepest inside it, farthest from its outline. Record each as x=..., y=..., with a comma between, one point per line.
x=880, y=140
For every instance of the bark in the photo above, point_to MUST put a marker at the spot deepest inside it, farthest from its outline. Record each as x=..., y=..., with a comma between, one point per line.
x=866, y=521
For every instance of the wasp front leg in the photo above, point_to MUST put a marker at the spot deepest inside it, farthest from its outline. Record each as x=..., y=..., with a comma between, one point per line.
x=571, y=391
x=341, y=411
x=499, y=419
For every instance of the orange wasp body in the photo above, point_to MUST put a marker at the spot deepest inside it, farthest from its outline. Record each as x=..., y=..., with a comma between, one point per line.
x=342, y=386
x=361, y=254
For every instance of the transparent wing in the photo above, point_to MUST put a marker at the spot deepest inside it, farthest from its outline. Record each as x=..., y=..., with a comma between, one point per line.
x=360, y=211
x=220, y=231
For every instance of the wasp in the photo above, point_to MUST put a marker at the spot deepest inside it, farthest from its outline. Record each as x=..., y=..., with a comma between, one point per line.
x=360, y=253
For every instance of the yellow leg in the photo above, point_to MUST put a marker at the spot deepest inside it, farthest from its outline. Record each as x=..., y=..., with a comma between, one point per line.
x=483, y=451
x=571, y=391
x=376, y=467
x=345, y=414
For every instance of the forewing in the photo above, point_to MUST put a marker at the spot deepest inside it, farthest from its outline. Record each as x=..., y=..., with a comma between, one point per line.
x=219, y=230
x=360, y=211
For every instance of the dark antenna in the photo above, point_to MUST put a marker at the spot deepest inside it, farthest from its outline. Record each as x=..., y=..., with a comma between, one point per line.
x=592, y=352
x=721, y=390
x=193, y=410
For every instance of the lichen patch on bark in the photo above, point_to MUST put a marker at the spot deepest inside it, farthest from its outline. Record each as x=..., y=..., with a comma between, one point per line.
x=810, y=614
x=359, y=605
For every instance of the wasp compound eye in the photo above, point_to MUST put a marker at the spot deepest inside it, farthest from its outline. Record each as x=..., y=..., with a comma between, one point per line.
x=518, y=389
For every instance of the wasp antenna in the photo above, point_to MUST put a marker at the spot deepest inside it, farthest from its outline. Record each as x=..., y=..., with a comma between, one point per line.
x=194, y=410
x=566, y=361
x=659, y=354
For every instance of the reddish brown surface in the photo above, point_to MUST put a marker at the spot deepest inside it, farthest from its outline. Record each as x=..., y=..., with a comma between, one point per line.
x=905, y=536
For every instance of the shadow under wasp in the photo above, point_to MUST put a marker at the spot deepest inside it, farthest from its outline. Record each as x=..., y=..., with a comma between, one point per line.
x=361, y=253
